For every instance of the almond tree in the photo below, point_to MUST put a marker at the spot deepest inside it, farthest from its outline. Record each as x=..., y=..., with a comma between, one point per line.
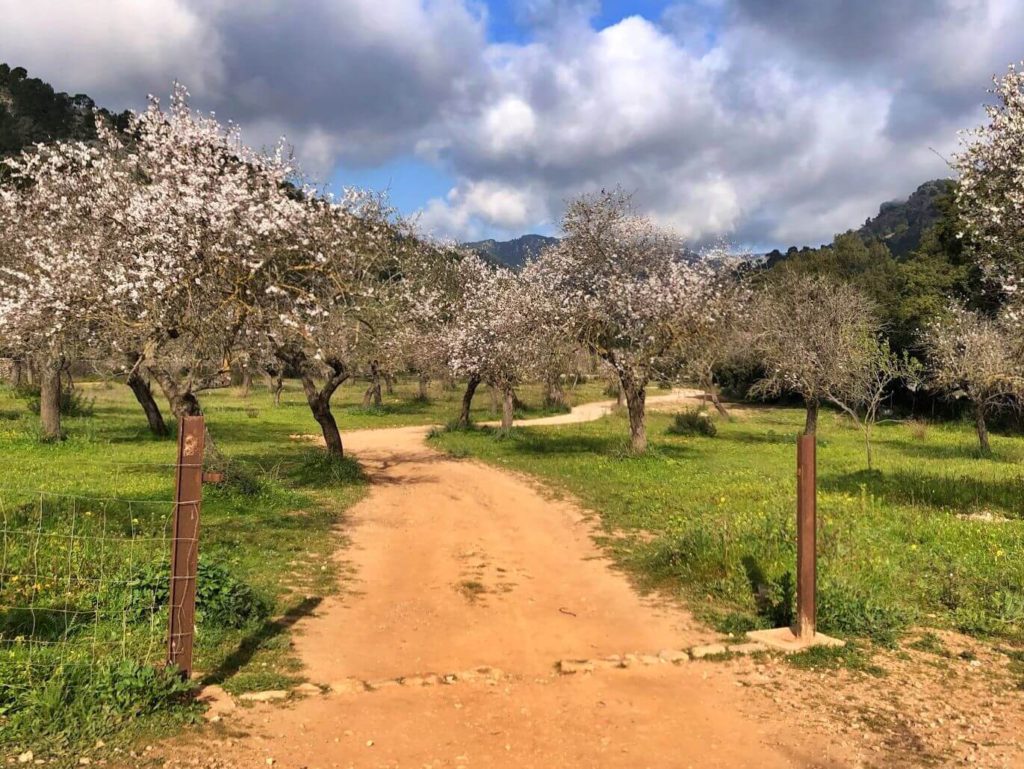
x=814, y=337
x=990, y=195
x=492, y=340
x=54, y=237
x=976, y=358
x=626, y=292
x=197, y=222
x=320, y=292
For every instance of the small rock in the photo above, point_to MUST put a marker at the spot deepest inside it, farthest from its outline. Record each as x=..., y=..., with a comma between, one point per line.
x=267, y=696
x=348, y=686
x=369, y=743
x=650, y=659
x=26, y=757
x=308, y=689
x=699, y=652
x=84, y=761
x=675, y=656
x=270, y=762
x=571, y=667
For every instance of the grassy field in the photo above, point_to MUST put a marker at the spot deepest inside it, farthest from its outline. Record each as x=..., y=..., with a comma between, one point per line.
x=83, y=576
x=932, y=537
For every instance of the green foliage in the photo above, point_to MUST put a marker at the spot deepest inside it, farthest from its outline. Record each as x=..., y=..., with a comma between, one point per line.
x=852, y=657
x=62, y=705
x=31, y=112
x=692, y=422
x=221, y=599
x=72, y=402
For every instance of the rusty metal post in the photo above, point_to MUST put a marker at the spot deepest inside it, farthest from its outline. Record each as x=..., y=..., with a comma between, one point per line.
x=806, y=537
x=188, y=494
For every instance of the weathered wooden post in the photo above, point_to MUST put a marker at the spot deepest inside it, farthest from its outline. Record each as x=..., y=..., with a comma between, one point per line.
x=806, y=537
x=188, y=495
x=803, y=632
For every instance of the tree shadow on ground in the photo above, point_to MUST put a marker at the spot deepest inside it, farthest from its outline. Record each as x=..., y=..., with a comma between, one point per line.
x=252, y=643
x=958, y=492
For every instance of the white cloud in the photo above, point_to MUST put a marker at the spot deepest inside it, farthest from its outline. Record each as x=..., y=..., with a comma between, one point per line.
x=775, y=121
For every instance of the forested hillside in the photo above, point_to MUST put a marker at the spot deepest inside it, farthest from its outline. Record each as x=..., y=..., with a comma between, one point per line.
x=31, y=111
x=909, y=260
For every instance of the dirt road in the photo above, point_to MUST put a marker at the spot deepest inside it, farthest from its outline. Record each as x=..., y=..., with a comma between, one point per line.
x=467, y=574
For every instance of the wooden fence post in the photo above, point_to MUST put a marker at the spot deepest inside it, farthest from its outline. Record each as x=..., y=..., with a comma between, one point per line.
x=188, y=494
x=806, y=537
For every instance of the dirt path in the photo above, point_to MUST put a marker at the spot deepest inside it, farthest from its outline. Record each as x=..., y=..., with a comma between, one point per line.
x=460, y=568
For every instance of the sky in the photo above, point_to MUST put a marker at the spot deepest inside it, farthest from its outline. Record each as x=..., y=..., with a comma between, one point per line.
x=767, y=123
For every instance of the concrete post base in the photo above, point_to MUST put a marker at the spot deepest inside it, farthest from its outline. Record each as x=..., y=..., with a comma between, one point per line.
x=783, y=639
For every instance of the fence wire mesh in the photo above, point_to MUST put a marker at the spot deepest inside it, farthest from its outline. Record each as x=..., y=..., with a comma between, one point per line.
x=84, y=579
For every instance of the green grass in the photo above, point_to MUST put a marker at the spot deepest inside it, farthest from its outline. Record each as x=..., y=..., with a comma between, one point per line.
x=713, y=519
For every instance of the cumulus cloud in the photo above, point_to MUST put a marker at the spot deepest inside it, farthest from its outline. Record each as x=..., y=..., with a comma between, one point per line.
x=770, y=121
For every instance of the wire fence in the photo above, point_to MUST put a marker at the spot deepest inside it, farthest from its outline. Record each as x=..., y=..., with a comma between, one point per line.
x=86, y=580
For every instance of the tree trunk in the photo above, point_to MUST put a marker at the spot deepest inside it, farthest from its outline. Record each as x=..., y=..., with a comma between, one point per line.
x=389, y=384
x=184, y=403
x=811, y=423
x=372, y=394
x=495, y=399
x=49, y=400
x=321, y=408
x=17, y=373
x=508, y=408
x=246, y=381
x=717, y=403
x=636, y=398
x=982, y=428
x=467, y=401
x=423, y=394
x=144, y=395
x=554, y=395
x=277, y=385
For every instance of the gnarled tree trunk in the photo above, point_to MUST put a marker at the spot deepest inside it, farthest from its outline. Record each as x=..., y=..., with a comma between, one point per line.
x=389, y=384
x=183, y=401
x=717, y=402
x=636, y=399
x=144, y=395
x=275, y=383
x=372, y=394
x=319, y=399
x=467, y=401
x=423, y=393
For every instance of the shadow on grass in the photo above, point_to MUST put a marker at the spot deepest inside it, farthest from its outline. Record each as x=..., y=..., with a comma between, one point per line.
x=963, y=451
x=958, y=492
x=252, y=643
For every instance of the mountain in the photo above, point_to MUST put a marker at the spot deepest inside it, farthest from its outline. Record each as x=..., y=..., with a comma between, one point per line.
x=512, y=253
x=31, y=112
x=900, y=224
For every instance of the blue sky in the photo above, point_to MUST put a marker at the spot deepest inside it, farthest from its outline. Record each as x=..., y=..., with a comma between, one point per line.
x=763, y=122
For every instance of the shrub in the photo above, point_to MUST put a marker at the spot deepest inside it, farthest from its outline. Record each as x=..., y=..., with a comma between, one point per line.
x=68, y=702
x=72, y=402
x=222, y=600
x=692, y=422
x=918, y=429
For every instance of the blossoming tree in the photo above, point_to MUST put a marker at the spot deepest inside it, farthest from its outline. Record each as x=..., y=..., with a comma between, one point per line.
x=990, y=195
x=626, y=292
